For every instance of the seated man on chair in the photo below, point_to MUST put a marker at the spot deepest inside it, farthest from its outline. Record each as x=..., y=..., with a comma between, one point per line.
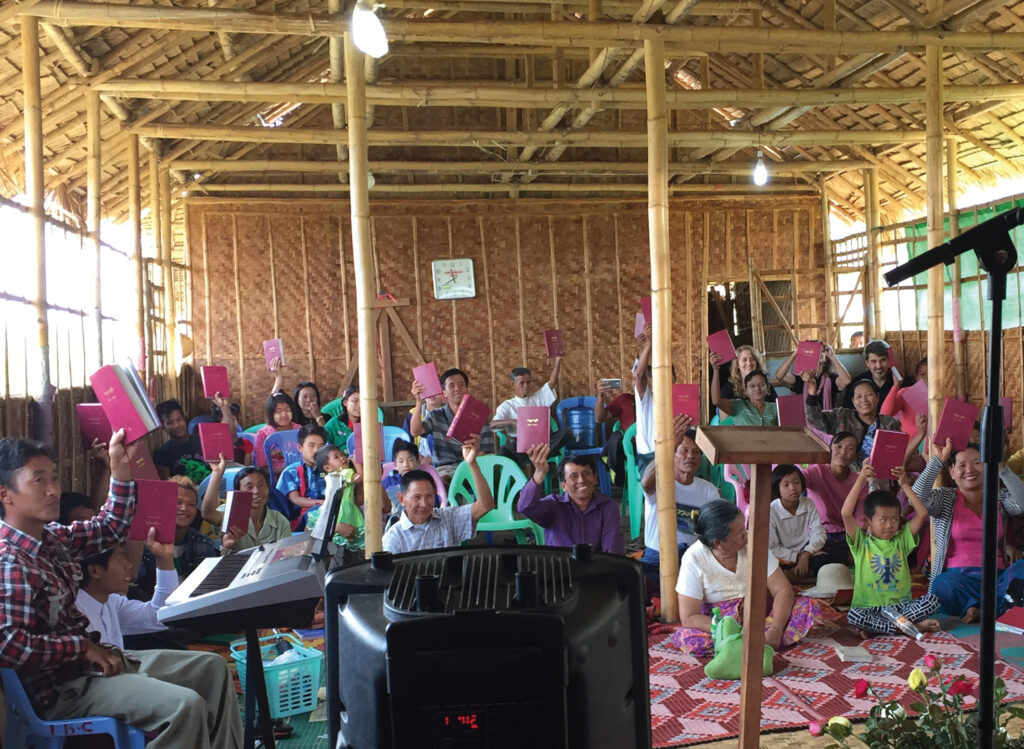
x=506, y=414
x=423, y=526
x=579, y=514
x=186, y=698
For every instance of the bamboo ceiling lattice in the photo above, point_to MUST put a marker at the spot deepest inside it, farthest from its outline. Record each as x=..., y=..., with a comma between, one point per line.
x=489, y=97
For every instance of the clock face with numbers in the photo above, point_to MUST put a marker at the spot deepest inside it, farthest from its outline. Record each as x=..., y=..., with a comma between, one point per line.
x=453, y=278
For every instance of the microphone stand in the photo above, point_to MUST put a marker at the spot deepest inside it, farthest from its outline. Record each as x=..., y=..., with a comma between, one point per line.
x=997, y=254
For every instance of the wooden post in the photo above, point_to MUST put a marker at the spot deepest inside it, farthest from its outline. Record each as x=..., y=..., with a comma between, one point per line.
x=832, y=303
x=166, y=247
x=135, y=218
x=336, y=52
x=661, y=305
x=34, y=185
x=874, y=327
x=155, y=215
x=933, y=163
x=362, y=250
x=92, y=212
x=959, y=355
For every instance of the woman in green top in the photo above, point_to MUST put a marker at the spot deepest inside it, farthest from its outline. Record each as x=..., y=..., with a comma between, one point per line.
x=753, y=410
x=341, y=426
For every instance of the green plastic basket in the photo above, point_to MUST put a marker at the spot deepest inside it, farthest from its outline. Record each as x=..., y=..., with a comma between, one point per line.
x=291, y=687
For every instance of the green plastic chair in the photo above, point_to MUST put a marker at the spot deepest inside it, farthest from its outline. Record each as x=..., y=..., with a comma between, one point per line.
x=255, y=428
x=332, y=408
x=632, y=494
x=505, y=480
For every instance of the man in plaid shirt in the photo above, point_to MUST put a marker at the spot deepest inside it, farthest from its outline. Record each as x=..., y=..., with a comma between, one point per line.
x=186, y=699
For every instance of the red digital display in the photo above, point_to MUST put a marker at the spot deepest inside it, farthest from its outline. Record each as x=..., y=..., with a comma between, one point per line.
x=460, y=723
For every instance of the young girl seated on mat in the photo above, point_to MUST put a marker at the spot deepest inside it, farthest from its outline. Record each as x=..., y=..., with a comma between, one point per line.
x=881, y=571
x=795, y=534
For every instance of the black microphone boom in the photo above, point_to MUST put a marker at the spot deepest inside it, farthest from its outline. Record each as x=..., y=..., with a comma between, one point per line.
x=995, y=231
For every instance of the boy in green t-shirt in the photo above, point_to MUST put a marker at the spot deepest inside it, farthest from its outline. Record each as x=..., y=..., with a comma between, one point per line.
x=881, y=589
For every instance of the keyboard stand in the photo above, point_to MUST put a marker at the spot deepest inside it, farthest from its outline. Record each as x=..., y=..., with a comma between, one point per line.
x=256, y=692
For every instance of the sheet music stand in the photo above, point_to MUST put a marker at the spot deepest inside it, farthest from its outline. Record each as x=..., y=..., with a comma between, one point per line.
x=761, y=447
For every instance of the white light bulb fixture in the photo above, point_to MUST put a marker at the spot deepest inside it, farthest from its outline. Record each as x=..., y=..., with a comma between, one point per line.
x=760, y=173
x=367, y=31
x=371, y=181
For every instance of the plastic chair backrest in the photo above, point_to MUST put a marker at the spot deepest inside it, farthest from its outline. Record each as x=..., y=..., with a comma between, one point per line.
x=577, y=415
x=442, y=492
x=23, y=723
x=633, y=496
x=196, y=421
x=391, y=435
x=249, y=437
x=503, y=476
x=254, y=428
x=288, y=443
x=331, y=408
x=226, y=481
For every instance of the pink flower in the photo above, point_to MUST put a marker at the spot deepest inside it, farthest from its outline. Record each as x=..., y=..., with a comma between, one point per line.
x=932, y=663
x=815, y=728
x=860, y=687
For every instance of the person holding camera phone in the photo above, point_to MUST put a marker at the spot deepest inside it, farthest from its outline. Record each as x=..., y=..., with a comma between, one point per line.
x=610, y=407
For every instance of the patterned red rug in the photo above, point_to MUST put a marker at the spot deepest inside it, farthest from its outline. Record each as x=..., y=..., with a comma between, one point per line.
x=810, y=682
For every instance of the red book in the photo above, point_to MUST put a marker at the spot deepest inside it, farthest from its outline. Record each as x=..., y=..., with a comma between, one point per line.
x=533, y=427
x=156, y=507
x=955, y=423
x=357, y=439
x=426, y=375
x=638, y=327
x=808, y=354
x=1007, y=405
x=215, y=380
x=124, y=401
x=237, y=509
x=1012, y=621
x=471, y=418
x=142, y=465
x=888, y=451
x=791, y=411
x=686, y=400
x=553, y=343
x=916, y=397
x=93, y=424
x=273, y=349
x=721, y=343
x=645, y=307
x=216, y=439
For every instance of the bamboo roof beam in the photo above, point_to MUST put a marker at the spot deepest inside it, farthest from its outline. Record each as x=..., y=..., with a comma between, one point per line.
x=611, y=8
x=82, y=64
x=980, y=144
x=14, y=8
x=553, y=33
x=589, y=139
x=479, y=188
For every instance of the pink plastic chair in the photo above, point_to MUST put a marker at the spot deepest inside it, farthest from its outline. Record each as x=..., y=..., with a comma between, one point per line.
x=737, y=476
x=442, y=493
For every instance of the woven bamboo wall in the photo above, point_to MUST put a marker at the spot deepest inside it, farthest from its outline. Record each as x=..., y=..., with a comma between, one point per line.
x=578, y=266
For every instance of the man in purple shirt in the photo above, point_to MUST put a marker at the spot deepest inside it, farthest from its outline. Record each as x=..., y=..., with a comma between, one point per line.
x=579, y=515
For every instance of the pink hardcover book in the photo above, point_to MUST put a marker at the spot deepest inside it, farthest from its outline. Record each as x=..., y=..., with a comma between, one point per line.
x=216, y=439
x=915, y=397
x=533, y=427
x=156, y=507
x=721, y=343
x=686, y=400
x=237, y=509
x=808, y=353
x=357, y=439
x=142, y=465
x=273, y=349
x=426, y=375
x=645, y=307
x=955, y=423
x=888, y=451
x=215, y=380
x=471, y=418
x=93, y=424
x=124, y=401
x=638, y=327
x=553, y=343
x=791, y=411
x=1007, y=404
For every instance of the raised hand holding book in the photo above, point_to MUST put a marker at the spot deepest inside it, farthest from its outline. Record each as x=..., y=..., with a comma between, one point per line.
x=686, y=400
x=215, y=380
x=125, y=401
x=955, y=423
x=273, y=349
x=237, y=510
x=808, y=354
x=554, y=346
x=426, y=375
x=533, y=427
x=471, y=418
x=215, y=439
x=721, y=343
x=888, y=451
x=156, y=507
x=92, y=424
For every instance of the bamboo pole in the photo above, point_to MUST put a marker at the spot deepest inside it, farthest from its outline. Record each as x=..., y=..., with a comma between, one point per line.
x=933, y=157
x=92, y=214
x=167, y=247
x=14, y=8
x=500, y=138
x=490, y=187
x=155, y=215
x=365, y=295
x=307, y=302
x=135, y=220
x=550, y=33
x=34, y=186
x=336, y=53
x=206, y=290
x=959, y=357
x=486, y=93
x=831, y=302
x=238, y=314
x=661, y=305
x=872, y=286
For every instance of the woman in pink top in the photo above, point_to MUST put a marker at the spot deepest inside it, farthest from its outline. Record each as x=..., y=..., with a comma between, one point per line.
x=828, y=484
x=280, y=415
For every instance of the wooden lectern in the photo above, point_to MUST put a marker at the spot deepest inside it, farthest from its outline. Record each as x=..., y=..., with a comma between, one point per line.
x=761, y=447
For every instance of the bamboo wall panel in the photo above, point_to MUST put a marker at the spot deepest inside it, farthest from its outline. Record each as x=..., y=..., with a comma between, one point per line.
x=580, y=266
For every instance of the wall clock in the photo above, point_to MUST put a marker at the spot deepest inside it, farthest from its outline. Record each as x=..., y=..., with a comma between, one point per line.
x=453, y=278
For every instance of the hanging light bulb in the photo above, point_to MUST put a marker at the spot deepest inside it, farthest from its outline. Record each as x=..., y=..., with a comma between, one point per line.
x=367, y=30
x=760, y=173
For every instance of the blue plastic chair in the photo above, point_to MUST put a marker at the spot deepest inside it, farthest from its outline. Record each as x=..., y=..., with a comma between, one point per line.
x=249, y=437
x=442, y=492
x=505, y=480
x=24, y=727
x=226, y=481
x=196, y=421
x=288, y=443
x=391, y=435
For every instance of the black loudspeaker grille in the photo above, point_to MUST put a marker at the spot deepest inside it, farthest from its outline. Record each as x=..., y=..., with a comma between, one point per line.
x=481, y=582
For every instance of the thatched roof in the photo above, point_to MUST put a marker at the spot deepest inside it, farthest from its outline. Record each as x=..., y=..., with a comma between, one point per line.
x=490, y=97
